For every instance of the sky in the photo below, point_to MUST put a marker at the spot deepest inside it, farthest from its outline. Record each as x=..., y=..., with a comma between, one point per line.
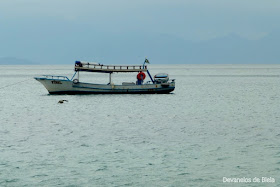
x=60, y=31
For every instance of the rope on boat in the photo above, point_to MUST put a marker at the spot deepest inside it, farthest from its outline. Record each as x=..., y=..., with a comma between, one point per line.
x=14, y=83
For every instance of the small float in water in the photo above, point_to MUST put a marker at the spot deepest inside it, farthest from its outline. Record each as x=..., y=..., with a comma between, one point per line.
x=63, y=85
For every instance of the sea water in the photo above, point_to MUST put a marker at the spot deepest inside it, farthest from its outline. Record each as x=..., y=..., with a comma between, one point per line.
x=219, y=126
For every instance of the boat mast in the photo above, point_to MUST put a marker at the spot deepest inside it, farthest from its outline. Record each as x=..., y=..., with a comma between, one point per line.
x=147, y=61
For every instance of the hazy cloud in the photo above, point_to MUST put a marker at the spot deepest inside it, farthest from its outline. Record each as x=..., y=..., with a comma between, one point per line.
x=190, y=19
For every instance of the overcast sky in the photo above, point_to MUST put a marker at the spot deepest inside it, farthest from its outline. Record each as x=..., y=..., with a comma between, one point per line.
x=196, y=20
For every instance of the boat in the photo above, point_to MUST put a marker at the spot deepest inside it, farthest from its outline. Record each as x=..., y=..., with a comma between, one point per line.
x=160, y=84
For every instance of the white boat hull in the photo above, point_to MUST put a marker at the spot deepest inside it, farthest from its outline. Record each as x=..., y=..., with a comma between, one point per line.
x=58, y=86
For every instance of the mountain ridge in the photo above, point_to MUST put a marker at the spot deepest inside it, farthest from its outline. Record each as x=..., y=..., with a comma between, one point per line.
x=123, y=48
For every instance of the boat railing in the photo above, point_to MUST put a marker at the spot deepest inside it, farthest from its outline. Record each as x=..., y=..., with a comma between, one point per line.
x=108, y=68
x=55, y=77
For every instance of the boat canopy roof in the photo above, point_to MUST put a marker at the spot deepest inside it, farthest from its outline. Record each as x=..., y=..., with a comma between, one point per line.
x=161, y=75
x=96, y=67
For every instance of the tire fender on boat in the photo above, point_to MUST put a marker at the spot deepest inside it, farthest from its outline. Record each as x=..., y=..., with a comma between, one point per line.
x=75, y=81
x=141, y=76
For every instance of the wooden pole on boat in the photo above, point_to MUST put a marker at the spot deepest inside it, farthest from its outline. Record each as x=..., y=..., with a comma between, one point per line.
x=110, y=78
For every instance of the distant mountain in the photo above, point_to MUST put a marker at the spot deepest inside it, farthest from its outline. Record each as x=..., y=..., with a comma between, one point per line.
x=166, y=49
x=234, y=49
x=132, y=48
x=14, y=61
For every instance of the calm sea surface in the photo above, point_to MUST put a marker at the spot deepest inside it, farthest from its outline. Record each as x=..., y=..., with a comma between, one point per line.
x=221, y=121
